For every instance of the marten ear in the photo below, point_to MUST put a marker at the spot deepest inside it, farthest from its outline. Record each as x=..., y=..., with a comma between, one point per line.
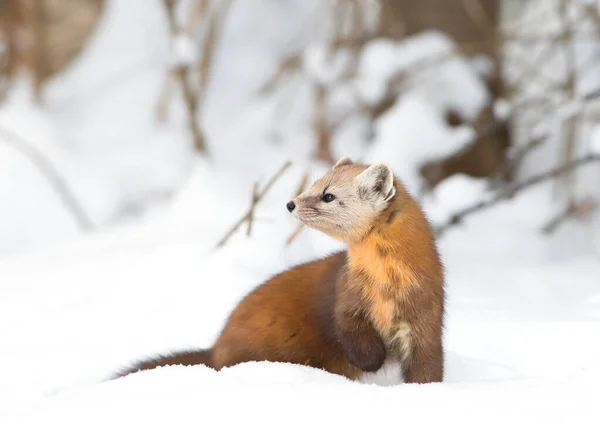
x=376, y=181
x=343, y=161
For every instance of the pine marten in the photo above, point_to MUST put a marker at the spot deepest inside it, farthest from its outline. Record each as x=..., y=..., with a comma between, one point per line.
x=380, y=300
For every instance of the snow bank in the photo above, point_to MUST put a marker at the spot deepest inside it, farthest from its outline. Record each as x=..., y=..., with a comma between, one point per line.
x=78, y=315
x=296, y=395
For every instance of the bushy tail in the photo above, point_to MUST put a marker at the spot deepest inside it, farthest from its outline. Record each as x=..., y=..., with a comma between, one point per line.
x=198, y=357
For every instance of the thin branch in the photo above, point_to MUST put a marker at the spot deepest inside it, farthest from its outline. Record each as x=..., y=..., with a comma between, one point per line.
x=322, y=128
x=532, y=71
x=259, y=197
x=198, y=11
x=215, y=25
x=573, y=210
x=252, y=208
x=40, y=52
x=52, y=175
x=301, y=187
x=181, y=73
x=570, y=126
x=510, y=191
x=593, y=95
x=303, y=184
x=294, y=235
x=286, y=67
x=515, y=159
x=162, y=106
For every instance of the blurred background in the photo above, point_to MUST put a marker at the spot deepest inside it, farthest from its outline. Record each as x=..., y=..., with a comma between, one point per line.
x=179, y=119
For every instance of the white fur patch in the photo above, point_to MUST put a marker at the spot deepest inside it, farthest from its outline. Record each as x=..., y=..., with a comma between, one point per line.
x=390, y=374
x=403, y=336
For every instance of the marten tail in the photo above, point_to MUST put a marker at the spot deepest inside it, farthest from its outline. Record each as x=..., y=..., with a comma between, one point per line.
x=198, y=357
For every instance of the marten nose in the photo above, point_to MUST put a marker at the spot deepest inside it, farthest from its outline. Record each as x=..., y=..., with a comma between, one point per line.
x=291, y=205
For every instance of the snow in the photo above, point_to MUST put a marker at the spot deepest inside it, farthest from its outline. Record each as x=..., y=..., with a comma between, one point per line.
x=502, y=109
x=323, y=66
x=184, y=51
x=522, y=335
x=523, y=309
x=595, y=140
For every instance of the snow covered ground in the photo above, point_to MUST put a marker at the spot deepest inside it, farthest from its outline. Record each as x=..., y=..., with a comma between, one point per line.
x=522, y=340
x=523, y=324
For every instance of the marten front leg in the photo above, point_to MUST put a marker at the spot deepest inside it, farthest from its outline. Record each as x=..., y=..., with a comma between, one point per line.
x=425, y=364
x=423, y=359
x=360, y=341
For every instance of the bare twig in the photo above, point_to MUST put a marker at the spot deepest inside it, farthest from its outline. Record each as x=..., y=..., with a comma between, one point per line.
x=322, y=127
x=510, y=191
x=301, y=187
x=198, y=10
x=162, y=106
x=549, y=37
x=294, y=235
x=544, y=101
x=52, y=175
x=573, y=210
x=593, y=95
x=252, y=207
x=570, y=126
x=531, y=71
x=40, y=54
x=303, y=184
x=182, y=75
x=258, y=198
x=215, y=25
x=286, y=67
x=516, y=158
x=182, y=72
x=5, y=74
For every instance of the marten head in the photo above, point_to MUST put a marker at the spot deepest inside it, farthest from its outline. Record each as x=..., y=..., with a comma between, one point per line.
x=347, y=201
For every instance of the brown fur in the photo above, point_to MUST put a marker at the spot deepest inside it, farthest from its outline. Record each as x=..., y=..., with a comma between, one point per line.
x=289, y=318
x=347, y=313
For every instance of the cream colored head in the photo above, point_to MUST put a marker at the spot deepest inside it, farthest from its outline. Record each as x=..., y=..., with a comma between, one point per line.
x=347, y=201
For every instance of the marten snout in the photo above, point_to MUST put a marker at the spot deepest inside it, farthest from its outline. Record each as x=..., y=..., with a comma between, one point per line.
x=290, y=206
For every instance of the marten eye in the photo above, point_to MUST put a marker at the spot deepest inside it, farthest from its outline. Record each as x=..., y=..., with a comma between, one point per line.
x=328, y=198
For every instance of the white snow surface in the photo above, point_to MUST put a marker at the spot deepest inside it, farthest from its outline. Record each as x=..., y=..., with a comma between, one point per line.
x=521, y=340
x=595, y=140
x=522, y=333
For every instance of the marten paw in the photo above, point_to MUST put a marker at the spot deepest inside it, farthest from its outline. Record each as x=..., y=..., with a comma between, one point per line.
x=365, y=351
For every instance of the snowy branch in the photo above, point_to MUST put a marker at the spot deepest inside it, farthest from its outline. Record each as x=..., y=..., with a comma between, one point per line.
x=510, y=191
x=184, y=66
x=181, y=72
x=574, y=209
